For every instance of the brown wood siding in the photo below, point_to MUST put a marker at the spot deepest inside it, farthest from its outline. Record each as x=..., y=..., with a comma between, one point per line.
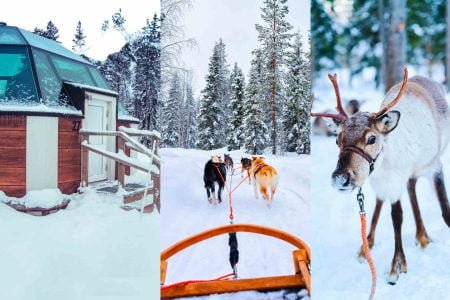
x=13, y=155
x=69, y=155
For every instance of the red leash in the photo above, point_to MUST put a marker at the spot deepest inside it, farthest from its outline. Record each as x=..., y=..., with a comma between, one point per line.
x=365, y=244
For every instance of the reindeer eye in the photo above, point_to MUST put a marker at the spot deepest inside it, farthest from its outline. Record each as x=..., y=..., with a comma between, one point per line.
x=371, y=140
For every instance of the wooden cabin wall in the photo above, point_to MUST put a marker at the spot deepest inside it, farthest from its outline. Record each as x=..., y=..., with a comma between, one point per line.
x=69, y=155
x=13, y=155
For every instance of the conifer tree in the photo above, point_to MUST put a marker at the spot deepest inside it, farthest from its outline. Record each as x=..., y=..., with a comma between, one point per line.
x=274, y=36
x=296, y=124
x=79, y=39
x=236, y=132
x=215, y=98
x=172, y=114
x=51, y=31
x=255, y=128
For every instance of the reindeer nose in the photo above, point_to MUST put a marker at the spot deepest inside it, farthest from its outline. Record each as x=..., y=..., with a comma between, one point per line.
x=341, y=179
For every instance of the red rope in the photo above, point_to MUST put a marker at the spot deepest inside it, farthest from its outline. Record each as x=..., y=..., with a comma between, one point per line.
x=224, y=277
x=369, y=259
x=230, y=191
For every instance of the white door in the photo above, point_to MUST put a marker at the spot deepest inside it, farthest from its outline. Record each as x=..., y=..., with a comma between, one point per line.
x=97, y=119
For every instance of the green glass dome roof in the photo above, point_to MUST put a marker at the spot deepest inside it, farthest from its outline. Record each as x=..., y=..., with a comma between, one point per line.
x=33, y=70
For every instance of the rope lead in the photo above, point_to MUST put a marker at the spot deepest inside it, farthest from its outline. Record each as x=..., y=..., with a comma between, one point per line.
x=365, y=246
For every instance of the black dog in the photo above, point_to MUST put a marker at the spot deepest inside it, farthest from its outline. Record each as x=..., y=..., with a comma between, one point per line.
x=215, y=171
x=228, y=161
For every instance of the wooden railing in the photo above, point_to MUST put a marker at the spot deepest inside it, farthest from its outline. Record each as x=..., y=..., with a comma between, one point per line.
x=125, y=141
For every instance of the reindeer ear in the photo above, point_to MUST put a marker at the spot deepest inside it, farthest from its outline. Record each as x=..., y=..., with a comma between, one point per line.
x=387, y=122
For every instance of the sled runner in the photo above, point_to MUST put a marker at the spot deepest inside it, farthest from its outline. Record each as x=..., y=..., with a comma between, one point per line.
x=299, y=280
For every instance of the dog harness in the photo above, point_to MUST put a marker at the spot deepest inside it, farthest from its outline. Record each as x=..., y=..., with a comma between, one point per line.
x=259, y=167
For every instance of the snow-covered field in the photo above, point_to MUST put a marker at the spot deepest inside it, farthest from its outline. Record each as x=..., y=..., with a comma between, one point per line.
x=91, y=250
x=186, y=211
x=336, y=271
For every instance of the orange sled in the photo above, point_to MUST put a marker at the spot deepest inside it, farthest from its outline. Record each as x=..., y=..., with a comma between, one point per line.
x=300, y=279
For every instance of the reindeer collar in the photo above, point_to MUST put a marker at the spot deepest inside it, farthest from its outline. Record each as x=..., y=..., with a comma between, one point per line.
x=364, y=155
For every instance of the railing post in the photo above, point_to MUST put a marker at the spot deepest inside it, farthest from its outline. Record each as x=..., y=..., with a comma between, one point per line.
x=84, y=162
x=120, y=166
x=156, y=178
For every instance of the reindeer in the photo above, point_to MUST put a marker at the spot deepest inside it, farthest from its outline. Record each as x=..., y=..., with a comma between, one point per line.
x=393, y=148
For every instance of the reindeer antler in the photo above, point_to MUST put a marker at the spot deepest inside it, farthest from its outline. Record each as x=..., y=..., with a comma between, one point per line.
x=396, y=99
x=341, y=116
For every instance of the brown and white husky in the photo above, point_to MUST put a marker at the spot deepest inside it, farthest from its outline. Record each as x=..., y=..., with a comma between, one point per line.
x=265, y=179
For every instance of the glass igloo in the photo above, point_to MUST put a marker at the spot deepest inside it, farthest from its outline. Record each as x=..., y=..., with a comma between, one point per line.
x=33, y=70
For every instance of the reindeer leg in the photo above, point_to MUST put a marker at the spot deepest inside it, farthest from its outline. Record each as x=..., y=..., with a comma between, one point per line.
x=422, y=238
x=373, y=226
x=442, y=196
x=399, y=261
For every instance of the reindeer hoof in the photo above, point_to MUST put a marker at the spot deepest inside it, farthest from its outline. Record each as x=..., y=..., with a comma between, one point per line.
x=398, y=266
x=423, y=241
x=210, y=200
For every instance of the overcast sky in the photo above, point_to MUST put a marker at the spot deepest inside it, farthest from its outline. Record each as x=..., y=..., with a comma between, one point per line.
x=65, y=15
x=234, y=21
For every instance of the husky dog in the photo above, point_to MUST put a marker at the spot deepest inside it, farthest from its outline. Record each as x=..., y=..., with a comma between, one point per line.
x=265, y=178
x=215, y=171
x=246, y=164
x=228, y=162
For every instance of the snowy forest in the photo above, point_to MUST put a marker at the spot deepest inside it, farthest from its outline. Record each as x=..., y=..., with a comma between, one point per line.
x=382, y=35
x=265, y=110
x=139, y=94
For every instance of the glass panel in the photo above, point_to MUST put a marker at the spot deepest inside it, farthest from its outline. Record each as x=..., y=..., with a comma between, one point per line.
x=48, y=81
x=49, y=45
x=16, y=78
x=73, y=71
x=101, y=83
x=10, y=36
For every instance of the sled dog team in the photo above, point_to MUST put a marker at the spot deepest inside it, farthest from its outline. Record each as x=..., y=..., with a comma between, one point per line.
x=265, y=177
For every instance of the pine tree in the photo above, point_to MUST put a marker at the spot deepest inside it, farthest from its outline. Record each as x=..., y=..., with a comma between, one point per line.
x=172, y=114
x=51, y=32
x=255, y=128
x=147, y=80
x=296, y=125
x=79, y=39
x=117, y=71
x=215, y=99
x=236, y=132
x=274, y=36
x=363, y=37
x=190, y=119
x=324, y=37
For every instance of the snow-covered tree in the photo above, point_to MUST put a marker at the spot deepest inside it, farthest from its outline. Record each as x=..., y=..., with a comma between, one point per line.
x=79, y=39
x=117, y=71
x=214, y=102
x=274, y=36
x=172, y=114
x=147, y=74
x=324, y=37
x=236, y=132
x=51, y=31
x=255, y=129
x=296, y=124
x=189, y=127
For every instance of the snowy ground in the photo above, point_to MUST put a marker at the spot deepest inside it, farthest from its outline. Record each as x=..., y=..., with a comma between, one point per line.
x=186, y=211
x=336, y=272
x=91, y=250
